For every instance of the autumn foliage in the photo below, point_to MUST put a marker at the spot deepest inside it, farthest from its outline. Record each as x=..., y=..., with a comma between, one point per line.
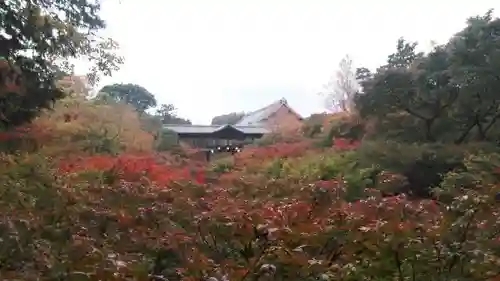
x=279, y=212
x=84, y=196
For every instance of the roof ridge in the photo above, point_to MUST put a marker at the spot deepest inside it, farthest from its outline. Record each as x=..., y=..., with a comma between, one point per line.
x=262, y=113
x=192, y=125
x=261, y=109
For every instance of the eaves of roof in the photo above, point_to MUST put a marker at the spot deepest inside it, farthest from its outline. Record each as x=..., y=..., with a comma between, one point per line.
x=209, y=129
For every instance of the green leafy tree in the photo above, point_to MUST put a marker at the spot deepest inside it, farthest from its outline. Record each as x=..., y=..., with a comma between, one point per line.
x=167, y=115
x=37, y=39
x=132, y=94
x=228, y=119
x=476, y=67
x=411, y=86
x=448, y=94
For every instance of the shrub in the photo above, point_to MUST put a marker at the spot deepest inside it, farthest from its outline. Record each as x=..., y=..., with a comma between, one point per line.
x=310, y=131
x=166, y=140
x=347, y=126
x=313, y=125
x=91, y=201
x=280, y=136
x=283, y=212
x=77, y=123
x=223, y=166
x=422, y=165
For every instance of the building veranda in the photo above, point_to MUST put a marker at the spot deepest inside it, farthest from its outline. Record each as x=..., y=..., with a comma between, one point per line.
x=232, y=138
x=215, y=138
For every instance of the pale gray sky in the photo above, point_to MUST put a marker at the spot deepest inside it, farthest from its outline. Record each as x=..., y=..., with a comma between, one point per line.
x=210, y=57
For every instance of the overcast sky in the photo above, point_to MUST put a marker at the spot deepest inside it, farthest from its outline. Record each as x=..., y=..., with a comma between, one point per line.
x=210, y=57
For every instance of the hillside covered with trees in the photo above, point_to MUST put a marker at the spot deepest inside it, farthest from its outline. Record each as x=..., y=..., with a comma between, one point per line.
x=404, y=184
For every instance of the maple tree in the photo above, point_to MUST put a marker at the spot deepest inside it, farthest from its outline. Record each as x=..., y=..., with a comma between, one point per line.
x=289, y=210
x=76, y=123
x=134, y=217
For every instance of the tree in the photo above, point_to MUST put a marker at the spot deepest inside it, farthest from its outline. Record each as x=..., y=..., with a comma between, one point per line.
x=475, y=66
x=36, y=42
x=167, y=115
x=78, y=125
x=341, y=89
x=449, y=94
x=411, y=84
x=74, y=85
x=132, y=94
x=228, y=119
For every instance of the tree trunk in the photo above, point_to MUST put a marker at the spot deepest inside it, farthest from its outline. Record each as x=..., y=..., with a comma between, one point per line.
x=428, y=130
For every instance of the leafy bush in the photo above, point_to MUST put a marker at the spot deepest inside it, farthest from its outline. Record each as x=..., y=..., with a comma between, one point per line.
x=79, y=125
x=280, y=136
x=168, y=221
x=92, y=201
x=422, y=165
x=314, y=125
x=312, y=130
x=223, y=166
x=166, y=141
x=285, y=211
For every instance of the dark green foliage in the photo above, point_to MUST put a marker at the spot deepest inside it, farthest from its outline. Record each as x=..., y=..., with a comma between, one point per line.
x=166, y=140
x=223, y=166
x=167, y=115
x=427, y=173
x=430, y=112
x=164, y=265
x=35, y=45
x=423, y=166
x=276, y=169
x=327, y=140
x=134, y=95
x=348, y=129
x=37, y=90
x=448, y=95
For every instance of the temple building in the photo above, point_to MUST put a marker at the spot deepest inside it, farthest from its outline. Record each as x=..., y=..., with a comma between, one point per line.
x=276, y=116
x=209, y=136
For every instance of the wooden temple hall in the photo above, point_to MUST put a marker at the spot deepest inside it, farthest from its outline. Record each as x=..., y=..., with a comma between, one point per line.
x=231, y=138
x=217, y=136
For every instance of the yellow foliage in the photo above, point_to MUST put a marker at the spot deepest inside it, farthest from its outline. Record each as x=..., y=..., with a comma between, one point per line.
x=80, y=125
x=74, y=85
x=337, y=117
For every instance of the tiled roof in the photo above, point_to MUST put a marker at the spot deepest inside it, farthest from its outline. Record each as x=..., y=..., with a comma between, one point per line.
x=208, y=129
x=256, y=117
x=249, y=124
